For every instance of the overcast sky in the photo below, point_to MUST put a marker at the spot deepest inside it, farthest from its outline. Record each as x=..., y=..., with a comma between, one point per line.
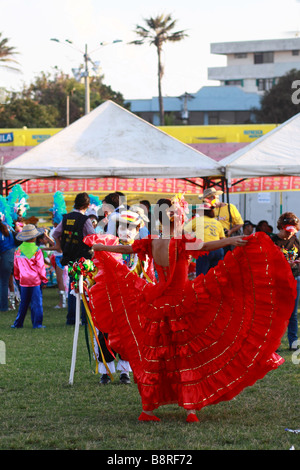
x=132, y=70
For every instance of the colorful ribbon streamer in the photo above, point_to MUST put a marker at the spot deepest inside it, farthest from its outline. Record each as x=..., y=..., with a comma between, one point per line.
x=86, y=268
x=93, y=330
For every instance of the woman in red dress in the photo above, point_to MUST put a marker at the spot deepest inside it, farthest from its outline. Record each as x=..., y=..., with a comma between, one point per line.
x=194, y=342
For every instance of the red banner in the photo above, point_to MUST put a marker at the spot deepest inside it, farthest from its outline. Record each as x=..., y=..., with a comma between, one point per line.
x=40, y=186
x=267, y=184
x=158, y=185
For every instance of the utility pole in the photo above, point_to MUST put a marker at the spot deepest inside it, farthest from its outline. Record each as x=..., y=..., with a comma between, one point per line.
x=78, y=74
x=86, y=82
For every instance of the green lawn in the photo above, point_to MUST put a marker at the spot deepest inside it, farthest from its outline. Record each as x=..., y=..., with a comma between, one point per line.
x=41, y=411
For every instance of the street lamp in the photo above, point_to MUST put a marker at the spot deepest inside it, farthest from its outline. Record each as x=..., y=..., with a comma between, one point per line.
x=78, y=73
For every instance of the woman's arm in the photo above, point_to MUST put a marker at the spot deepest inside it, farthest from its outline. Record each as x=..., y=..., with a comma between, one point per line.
x=123, y=249
x=48, y=239
x=215, y=245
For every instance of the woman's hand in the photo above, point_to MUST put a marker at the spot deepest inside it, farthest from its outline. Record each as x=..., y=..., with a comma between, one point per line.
x=237, y=241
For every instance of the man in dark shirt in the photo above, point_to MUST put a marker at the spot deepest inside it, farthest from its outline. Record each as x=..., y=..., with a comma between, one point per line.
x=69, y=235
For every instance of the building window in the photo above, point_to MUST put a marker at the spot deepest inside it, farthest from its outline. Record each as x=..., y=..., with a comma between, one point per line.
x=234, y=82
x=264, y=84
x=213, y=118
x=226, y=117
x=263, y=57
x=295, y=52
x=241, y=55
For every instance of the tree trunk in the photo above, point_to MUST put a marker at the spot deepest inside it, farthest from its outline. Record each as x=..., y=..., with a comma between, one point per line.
x=160, y=98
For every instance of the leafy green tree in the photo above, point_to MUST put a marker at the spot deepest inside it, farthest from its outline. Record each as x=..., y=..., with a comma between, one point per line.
x=159, y=31
x=277, y=104
x=22, y=112
x=49, y=93
x=53, y=91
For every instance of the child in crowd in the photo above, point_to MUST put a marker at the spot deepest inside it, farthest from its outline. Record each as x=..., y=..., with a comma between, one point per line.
x=30, y=273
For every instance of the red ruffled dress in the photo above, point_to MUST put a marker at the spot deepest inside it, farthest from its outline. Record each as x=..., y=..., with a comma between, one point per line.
x=198, y=342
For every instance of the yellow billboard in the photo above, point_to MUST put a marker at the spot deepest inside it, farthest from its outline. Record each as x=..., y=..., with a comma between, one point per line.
x=218, y=134
x=186, y=134
x=25, y=137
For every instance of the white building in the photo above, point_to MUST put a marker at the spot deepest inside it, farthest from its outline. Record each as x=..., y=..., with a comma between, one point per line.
x=255, y=65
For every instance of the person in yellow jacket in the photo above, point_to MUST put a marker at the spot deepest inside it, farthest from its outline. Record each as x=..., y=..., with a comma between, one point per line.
x=205, y=227
x=227, y=214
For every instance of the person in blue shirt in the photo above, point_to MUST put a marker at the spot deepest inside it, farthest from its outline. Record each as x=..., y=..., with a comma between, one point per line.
x=7, y=249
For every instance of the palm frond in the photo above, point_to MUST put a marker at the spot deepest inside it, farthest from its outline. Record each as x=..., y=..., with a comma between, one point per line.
x=177, y=36
x=137, y=42
x=6, y=54
x=9, y=67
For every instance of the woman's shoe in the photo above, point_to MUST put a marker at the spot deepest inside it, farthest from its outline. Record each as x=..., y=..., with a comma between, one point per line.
x=145, y=417
x=192, y=418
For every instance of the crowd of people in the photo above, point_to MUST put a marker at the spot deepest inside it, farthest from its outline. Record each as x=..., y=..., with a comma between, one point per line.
x=150, y=316
x=28, y=252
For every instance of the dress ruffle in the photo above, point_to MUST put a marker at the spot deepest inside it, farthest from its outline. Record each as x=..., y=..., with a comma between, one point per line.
x=196, y=342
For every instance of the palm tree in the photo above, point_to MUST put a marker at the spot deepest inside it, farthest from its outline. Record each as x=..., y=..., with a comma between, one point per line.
x=6, y=54
x=159, y=31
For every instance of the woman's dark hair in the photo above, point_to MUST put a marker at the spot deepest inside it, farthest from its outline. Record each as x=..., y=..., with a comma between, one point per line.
x=122, y=197
x=3, y=229
x=260, y=224
x=93, y=216
x=146, y=203
x=160, y=209
x=113, y=199
x=82, y=201
x=288, y=218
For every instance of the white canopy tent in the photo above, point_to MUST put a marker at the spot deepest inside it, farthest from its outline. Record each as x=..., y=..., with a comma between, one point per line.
x=110, y=142
x=275, y=154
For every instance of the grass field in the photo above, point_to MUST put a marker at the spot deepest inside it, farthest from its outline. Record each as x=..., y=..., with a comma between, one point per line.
x=41, y=411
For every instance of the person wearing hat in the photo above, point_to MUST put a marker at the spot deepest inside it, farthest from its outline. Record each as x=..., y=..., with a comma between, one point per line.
x=248, y=227
x=128, y=225
x=227, y=214
x=206, y=228
x=30, y=273
x=143, y=230
x=288, y=225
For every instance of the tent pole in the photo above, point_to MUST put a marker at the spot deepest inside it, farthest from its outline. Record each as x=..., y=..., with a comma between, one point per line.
x=226, y=189
x=76, y=331
x=228, y=201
